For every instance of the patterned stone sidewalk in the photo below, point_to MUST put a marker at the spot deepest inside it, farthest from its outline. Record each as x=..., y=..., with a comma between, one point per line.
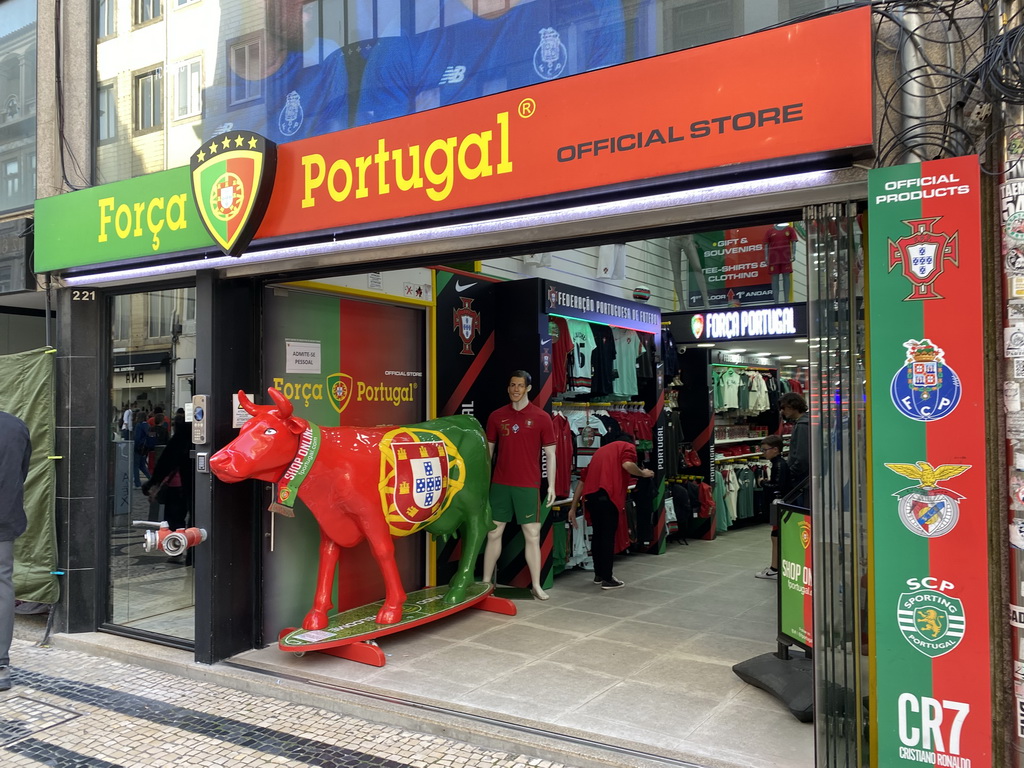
x=69, y=709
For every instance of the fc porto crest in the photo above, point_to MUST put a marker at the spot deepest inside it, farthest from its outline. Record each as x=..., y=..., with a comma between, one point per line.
x=467, y=323
x=923, y=255
x=339, y=390
x=232, y=178
x=929, y=510
x=551, y=57
x=926, y=388
x=931, y=621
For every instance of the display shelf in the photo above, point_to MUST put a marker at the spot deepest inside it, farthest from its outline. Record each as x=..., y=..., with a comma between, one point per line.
x=729, y=440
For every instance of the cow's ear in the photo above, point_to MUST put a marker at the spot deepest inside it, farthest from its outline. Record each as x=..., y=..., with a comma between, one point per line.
x=296, y=425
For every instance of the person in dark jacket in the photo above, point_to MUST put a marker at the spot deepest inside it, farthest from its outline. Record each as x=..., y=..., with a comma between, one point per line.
x=774, y=485
x=173, y=471
x=794, y=409
x=15, y=453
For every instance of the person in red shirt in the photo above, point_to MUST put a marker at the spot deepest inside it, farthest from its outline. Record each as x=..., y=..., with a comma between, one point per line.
x=520, y=430
x=603, y=488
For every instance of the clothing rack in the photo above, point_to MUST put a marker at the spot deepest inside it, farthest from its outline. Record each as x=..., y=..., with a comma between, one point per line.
x=605, y=404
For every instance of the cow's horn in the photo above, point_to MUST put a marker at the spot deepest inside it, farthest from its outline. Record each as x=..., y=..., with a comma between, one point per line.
x=247, y=405
x=284, y=405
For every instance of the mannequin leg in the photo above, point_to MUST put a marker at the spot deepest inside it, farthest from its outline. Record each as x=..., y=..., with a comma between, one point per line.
x=787, y=286
x=492, y=551
x=777, y=288
x=531, y=537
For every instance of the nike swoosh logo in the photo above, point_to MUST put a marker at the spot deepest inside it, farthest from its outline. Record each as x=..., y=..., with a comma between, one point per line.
x=460, y=287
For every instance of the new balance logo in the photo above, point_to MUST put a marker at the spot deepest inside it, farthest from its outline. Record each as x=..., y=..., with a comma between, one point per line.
x=455, y=73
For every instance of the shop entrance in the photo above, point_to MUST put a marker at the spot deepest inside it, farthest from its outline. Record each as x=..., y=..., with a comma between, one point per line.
x=646, y=667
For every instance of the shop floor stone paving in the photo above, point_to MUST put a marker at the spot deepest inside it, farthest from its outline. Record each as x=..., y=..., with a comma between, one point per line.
x=69, y=709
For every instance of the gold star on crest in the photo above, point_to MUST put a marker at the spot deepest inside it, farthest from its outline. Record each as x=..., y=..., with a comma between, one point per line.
x=253, y=143
x=201, y=156
x=213, y=147
x=239, y=140
x=226, y=143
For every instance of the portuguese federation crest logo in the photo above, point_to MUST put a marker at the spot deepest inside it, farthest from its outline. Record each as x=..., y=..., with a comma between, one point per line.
x=466, y=321
x=923, y=255
x=232, y=178
x=929, y=510
x=339, y=390
x=931, y=621
x=697, y=326
x=926, y=388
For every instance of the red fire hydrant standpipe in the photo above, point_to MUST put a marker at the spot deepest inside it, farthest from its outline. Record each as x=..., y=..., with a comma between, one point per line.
x=161, y=538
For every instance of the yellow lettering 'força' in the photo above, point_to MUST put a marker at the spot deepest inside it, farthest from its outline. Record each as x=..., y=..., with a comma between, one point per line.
x=141, y=218
x=436, y=170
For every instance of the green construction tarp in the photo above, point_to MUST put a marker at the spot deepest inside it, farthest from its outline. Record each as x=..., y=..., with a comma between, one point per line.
x=26, y=391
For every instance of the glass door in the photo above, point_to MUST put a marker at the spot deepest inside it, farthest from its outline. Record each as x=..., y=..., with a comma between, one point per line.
x=151, y=589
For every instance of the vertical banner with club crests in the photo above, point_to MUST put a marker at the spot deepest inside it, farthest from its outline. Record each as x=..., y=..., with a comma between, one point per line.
x=927, y=548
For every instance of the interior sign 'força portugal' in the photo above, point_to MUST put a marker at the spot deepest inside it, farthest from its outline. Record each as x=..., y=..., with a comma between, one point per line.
x=232, y=178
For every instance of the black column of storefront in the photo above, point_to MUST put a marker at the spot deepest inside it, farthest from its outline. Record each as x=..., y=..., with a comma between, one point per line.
x=82, y=425
x=227, y=359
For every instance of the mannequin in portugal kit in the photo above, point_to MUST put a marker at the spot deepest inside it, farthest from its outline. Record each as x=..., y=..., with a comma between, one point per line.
x=520, y=430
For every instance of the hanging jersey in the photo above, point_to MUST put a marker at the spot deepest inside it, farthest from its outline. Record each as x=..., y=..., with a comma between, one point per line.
x=580, y=370
x=561, y=346
x=627, y=349
x=602, y=361
x=588, y=430
x=469, y=57
x=563, y=456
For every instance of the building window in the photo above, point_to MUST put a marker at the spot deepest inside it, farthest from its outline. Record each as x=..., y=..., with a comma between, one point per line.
x=104, y=18
x=180, y=3
x=161, y=313
x=122, y=318
x=106, y=113
x=246, y=67
x=700, y=23
x=149, y=95
x=11, y=180
x=190, y=89
x=148, y=10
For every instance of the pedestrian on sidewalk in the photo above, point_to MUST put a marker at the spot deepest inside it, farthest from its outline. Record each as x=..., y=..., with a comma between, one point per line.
x=15, y=452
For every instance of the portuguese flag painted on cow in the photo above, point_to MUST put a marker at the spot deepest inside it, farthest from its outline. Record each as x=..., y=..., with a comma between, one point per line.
x=928, y=554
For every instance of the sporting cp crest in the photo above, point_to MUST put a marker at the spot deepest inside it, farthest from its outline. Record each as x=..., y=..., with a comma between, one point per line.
x=931, y=621
x=467, y=323
x=923, y=255
x=232, y=178
x=339, y=390
x=929, y=510
x=925, y=389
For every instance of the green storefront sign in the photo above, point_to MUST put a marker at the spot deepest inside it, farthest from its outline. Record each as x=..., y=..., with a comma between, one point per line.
x=145, y=216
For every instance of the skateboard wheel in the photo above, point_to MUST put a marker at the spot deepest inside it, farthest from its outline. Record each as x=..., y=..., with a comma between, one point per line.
x=299, y=654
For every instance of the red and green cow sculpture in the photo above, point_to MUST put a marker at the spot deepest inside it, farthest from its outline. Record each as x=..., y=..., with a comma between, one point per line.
x=369, y=483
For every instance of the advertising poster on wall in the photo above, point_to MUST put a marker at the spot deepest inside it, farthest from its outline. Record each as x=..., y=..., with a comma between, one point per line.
x=731, y=267
x=341, y=362
x=928, y=548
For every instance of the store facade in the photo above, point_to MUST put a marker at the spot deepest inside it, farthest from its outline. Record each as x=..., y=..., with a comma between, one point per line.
x=404, y=265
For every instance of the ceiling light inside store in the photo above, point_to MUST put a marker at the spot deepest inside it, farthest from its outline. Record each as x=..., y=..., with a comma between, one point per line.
x=737, y=351
x=800, y=341
x=784, y=357
x=804, y=360
x=706, y=345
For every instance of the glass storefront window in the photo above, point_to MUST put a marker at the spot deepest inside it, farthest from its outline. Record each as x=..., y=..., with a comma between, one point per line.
x=17, y=104
x=153, y=355
x=293, y=69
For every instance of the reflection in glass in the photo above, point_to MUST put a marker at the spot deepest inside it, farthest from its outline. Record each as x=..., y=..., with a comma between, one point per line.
x=292, y=69
x=153, y=354
x=17, y=104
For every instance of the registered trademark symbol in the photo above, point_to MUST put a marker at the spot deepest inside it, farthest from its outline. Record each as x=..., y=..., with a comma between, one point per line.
x=527, y=107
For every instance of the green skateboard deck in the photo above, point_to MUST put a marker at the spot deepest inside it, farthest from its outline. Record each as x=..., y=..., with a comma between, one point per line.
x=349, y=634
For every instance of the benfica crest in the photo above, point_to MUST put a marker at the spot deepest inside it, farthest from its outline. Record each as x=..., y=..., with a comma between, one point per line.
x=232, y=178
x=467, y=323
x=339, y=390
x=929, y=510
x=923, y=255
